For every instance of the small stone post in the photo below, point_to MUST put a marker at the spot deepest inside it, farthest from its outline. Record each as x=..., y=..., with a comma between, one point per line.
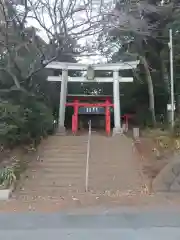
x=136, y=134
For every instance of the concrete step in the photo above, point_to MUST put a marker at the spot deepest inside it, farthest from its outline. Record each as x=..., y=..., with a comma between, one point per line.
x=62, y=155
x=73, y=157
x=65, y=142
x=53, y=187
x=60, y=180
x=98, y=163
x=60, y=174
x=63, y=176
x=53, y=164
x=66, y=161
x=76, y=143
x=57, y=159
x=104, y=173
x=75, y=182
x=57, y=169
x=73, y=147
x=48, y=192
x=67, y=150
x=64, y=148
x=57, y=166
x=54, y=184
x=63, y=151
x=50, y=173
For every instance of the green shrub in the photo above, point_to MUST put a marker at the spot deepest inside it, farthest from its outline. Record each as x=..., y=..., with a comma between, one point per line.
x=24, y=123
x=39, y=119
x=10, y=121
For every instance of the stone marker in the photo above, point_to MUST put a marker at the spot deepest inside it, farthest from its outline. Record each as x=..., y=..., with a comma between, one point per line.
x=136, y=133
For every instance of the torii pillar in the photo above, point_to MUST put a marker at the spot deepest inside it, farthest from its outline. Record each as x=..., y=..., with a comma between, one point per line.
x=116, y=98
x=62, y=105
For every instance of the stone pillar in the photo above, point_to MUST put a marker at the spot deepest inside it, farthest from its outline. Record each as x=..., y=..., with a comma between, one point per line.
x=116, y=97
x=62, y=107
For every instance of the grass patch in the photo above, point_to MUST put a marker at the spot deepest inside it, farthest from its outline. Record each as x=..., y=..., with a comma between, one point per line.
x=166, y=143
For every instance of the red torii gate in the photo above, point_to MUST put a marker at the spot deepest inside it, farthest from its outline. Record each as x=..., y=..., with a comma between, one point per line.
x=79, y=101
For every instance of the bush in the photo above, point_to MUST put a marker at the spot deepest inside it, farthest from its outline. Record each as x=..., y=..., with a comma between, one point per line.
x=10, y=122
x=24, y=123
x=39, y=119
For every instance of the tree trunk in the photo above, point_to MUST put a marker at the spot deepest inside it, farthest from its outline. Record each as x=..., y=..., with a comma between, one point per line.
x=150, y=89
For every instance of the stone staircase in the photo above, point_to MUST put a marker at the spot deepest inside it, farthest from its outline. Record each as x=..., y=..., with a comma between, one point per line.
x=58, y=170
x=114, y=166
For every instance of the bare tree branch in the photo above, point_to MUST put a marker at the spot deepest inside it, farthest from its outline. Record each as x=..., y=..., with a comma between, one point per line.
x=64, y=22
x=64, y=17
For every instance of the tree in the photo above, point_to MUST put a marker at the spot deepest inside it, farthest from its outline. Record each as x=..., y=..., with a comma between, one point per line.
x=135, y=28
x=23, y=52
x=24, y=55
x=22, y=81
x=65, y=21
